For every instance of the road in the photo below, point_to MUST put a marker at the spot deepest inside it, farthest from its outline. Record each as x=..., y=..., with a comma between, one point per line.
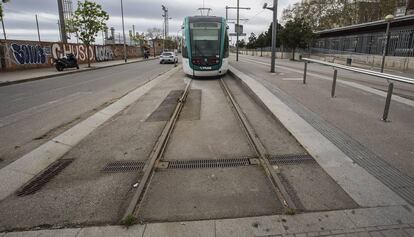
x=33, y=112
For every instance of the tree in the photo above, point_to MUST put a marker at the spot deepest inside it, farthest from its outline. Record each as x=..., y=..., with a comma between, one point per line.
x=153, y=34
x=327, y=14
x=241, y=43
x=252, y=41
x=296, y=34
x=89, y=19
x=1, y=7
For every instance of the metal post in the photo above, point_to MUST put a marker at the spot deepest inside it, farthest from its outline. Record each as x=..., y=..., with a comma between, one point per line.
x=274, y=29
x=334, y=83
x=4, y=29
x=385, y=51
x=37, y=25
x=123, y=31
x=237, y=33
x=305, y=71
x=62, y=22
x=388, y=101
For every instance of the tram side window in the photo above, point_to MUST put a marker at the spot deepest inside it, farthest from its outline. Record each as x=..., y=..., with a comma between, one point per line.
x=226, y=45
x=184, y=47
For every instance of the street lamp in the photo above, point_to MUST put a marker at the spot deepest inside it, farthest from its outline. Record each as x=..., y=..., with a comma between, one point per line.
x=274, y=28
x=388, y=19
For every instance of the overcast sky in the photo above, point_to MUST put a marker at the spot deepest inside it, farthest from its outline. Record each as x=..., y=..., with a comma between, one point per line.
x=20, y=15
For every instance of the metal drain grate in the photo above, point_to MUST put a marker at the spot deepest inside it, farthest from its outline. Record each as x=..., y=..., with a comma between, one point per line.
x=124, y=166
x=47, y=175
x=290, y=159
x=219, y=163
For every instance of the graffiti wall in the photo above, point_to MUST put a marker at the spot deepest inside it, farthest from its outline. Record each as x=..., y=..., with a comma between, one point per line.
x=17, y=54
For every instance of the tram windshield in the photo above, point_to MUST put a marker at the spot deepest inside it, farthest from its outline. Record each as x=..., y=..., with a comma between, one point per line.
x=205, y=39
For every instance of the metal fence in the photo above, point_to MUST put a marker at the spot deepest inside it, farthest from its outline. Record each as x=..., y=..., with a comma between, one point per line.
x=401, y=44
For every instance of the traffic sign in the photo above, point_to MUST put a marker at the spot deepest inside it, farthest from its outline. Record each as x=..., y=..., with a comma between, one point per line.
x=238, y=28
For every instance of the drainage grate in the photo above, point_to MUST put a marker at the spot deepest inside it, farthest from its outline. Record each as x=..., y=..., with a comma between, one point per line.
x=219, y=163
x=124, y=166
x=290, y=159
x=47, y=175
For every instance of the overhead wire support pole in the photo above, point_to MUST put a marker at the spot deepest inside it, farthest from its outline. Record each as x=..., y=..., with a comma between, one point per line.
x=274, y=29
x=62, y=22
x=237, y=32
x=37, y=26
x=123, y=31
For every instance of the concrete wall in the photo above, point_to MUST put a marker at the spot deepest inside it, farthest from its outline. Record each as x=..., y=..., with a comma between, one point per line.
x=18, y=54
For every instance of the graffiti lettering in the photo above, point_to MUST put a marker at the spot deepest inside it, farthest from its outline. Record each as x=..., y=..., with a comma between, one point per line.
x=59, y=51
x=28, y=54
x=104, y=53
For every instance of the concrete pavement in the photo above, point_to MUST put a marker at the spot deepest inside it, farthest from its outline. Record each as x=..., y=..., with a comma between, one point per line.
x=31, y=113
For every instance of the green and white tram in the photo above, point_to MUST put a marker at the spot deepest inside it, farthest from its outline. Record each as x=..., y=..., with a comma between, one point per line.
x=205, y=46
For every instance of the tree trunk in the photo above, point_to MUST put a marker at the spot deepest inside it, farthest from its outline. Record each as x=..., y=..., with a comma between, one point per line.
x=293, y=54
x=87, y=55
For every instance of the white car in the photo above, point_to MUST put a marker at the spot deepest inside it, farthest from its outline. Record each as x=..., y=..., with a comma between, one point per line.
x=168, y=57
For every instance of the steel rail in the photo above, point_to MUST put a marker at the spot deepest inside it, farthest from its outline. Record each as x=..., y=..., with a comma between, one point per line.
x=260, y=150
x=389, y=77
x=155, y=155
x=363, y=71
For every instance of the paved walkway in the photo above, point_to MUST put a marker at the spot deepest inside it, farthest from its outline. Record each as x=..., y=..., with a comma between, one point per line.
x=40, y=73
x=395, y=221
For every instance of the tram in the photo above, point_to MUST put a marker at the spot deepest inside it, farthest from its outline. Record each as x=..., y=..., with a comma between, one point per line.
x=205, y=46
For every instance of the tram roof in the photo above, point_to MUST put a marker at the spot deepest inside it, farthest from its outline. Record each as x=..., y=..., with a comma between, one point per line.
x=193, y=19
x=400, y=22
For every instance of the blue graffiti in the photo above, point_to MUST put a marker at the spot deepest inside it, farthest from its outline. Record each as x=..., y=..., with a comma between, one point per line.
x=28, y=54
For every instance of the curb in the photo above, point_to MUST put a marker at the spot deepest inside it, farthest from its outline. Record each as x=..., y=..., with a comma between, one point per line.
x=8, y=83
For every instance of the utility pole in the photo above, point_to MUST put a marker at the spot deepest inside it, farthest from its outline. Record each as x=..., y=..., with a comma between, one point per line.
x=123, y=31
x=274, y=29
x=4, y=29
x=37, y=25
x=133, y=34
x=237, y=24
x=165, y=15
x=62, y=22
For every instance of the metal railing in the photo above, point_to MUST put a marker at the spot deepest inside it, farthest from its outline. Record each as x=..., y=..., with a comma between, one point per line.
x=389, y=77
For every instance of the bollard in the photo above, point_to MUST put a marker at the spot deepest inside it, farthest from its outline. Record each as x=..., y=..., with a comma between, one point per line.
x=304, y=72
x=388, y=102
x=334, y=83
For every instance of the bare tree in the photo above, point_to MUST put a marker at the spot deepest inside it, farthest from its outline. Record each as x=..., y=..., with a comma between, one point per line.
x=153, y=34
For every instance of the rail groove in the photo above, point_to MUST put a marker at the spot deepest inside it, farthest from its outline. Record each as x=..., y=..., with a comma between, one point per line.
x=155, y=155
x=260, y=150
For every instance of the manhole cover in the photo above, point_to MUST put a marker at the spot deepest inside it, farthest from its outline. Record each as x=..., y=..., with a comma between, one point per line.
x=47, y=175
x=290, y=159
x=124, y=166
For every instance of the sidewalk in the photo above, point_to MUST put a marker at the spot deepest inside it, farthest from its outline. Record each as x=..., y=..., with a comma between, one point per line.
x=14, y=77
x=351, y=121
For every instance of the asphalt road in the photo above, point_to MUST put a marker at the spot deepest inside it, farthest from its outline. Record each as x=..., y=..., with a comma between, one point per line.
x=33, y=112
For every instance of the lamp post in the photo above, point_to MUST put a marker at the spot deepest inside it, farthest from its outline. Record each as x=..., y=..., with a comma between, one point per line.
x=388, y=19
x=274, y=28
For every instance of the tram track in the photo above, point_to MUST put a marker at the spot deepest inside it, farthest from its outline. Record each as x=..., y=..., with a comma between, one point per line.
x=260, y=150
x=156, y=154
x=156, y=161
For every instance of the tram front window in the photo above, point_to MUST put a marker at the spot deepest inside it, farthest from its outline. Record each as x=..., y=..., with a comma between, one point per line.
x=205, y=39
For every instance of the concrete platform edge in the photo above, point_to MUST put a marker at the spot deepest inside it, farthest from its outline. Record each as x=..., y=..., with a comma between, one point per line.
x=22, y=170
